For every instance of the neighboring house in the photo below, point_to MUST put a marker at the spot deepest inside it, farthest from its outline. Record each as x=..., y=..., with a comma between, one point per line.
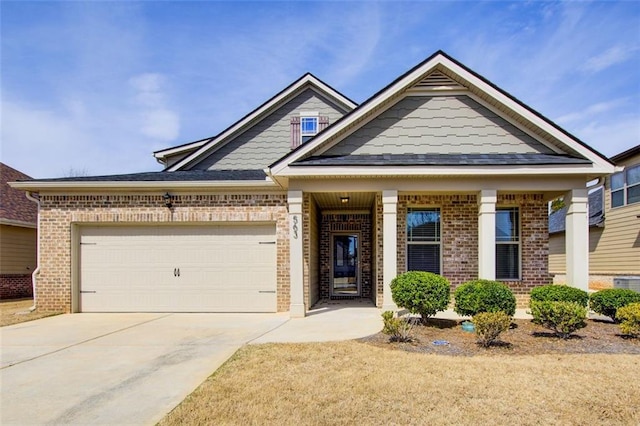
x=312, y=197
x=614, y=226
x=18, y=237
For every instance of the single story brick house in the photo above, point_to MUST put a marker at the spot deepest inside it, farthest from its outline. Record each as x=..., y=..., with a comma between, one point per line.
x=312, y=197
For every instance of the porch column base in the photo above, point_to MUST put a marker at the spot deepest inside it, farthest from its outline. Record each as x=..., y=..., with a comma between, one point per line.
x=297, y=311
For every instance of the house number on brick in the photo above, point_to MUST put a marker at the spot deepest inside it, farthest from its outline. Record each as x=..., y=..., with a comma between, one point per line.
x=295, y=227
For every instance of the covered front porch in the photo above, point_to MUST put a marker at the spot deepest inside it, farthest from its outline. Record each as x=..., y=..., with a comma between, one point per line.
x=350, y=244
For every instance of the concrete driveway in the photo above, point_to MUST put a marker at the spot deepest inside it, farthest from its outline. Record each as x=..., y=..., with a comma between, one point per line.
x=115, y=368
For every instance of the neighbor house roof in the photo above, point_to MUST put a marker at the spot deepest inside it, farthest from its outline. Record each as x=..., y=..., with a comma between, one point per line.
x=15, y=208
x=626, y=154
x=557, y=219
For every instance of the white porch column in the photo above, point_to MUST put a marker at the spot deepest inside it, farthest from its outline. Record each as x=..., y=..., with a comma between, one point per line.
x=487, y=234
x=577, y=238
x=389, y=245
x=296, y=308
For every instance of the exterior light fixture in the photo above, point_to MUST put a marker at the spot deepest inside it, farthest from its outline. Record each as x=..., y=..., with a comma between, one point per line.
x=168, y=200
x=344, y=200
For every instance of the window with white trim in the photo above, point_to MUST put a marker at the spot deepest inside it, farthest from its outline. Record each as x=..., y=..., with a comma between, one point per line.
x=625, y=187
x=308, y=128
x=423, y=240
x=507, y=243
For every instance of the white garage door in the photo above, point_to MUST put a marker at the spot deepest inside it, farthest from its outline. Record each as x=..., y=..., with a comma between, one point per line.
x=224, y=268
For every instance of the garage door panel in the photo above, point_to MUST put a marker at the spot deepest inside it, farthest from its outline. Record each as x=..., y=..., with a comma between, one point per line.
x=178, y=269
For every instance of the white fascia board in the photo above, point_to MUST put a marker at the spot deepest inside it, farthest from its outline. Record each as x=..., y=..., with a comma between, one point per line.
x=528, y=115
x=307, y=79
x=422, y=171
x=178, y=149
x=135, y=186
x=18, y=223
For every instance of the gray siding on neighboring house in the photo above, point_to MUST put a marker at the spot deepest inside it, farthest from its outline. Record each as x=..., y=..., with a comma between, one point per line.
x=442, y=125
x=270, y=139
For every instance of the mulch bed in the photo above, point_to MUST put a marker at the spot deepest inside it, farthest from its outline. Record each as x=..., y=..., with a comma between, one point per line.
x=523, y=338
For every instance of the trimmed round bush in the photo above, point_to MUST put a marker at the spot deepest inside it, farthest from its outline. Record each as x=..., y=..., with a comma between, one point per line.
x=489, y=325
x=559, y=293
x=423, y=293
x=629, y=317
x=607, y=302
x=562, y=317
x=476, y=296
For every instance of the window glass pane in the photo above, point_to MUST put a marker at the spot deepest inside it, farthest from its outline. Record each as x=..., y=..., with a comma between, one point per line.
x=309, y=125
x=633, y=175
x=306, y=138
x=423, y=257
x=617, y=180
x=423, y=225
x=507, y=228
x=617, y=198
x=507, y=262
x=633, y=194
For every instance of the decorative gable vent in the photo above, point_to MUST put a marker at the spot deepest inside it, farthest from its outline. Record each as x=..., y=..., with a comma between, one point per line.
x=438, y=81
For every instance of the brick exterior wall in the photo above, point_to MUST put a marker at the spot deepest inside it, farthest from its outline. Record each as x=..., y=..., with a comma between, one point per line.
x=459, y=230
x=534, y=245
x=60, y=212
x=359, y=223
x=379, y=265
x=14, y=286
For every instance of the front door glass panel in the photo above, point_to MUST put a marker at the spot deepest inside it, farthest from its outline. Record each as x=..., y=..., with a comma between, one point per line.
x=345, y=280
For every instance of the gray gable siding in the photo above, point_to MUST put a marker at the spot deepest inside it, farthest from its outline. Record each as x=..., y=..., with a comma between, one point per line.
x=438, y=125
x=269, y=139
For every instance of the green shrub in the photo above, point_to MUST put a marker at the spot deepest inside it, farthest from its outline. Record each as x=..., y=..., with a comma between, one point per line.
x=489, y=325
x=421, y=293
x=399, y=329
x=478, y=296
x=559, y=293
x=607, y=302
x=562, y=317
x=629, y=317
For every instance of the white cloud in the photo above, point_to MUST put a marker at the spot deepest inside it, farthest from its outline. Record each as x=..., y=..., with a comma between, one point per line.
x=591, y=111
x=156, y=119
x=608, y=58
x=611, y=136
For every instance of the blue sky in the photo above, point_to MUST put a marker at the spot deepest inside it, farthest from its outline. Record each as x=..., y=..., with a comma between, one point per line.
x=96, y=87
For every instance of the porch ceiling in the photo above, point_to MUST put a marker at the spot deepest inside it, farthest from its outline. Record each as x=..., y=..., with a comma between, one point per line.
x=333, y=200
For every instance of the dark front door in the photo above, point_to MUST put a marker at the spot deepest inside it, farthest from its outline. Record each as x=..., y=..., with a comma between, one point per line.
x=345, y=274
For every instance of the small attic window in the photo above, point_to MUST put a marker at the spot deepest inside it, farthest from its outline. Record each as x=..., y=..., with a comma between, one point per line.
x=308, y=128
x=305, y=126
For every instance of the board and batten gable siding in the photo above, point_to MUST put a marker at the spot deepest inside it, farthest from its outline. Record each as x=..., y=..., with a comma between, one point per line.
x=613, y=249
x=269, y=139
x=453, y=124
x=17, y=249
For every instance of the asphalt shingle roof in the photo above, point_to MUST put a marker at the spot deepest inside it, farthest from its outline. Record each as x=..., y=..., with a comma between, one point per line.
x=179, y=176
x=596, y=213
x=441, y=160
x=14, y=204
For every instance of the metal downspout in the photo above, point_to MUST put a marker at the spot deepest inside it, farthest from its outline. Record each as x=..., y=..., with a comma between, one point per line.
x=36, y=271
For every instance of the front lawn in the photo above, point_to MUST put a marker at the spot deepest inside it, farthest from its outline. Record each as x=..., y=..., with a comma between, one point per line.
x=17, y=311
x=359, y=383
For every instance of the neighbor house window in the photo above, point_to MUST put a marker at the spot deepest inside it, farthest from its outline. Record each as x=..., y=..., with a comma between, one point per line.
x=308, y=128
x=423, y=240
x=625, y=187
x=507, y=243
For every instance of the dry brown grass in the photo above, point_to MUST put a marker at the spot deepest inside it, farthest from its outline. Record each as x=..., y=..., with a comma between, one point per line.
x=356, y=383
x=17, y=311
